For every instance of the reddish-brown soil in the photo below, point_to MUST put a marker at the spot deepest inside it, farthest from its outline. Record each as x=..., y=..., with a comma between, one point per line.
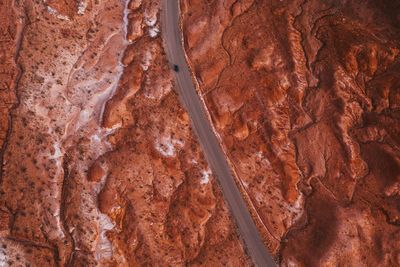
x=305, y=98
x=99, y=163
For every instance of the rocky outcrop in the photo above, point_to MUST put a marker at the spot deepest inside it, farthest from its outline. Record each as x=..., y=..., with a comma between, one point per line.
x=100, y=166
x=304, y=96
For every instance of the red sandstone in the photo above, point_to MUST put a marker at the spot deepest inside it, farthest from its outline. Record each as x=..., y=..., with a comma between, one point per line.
x=305, y=98
x=100, y=165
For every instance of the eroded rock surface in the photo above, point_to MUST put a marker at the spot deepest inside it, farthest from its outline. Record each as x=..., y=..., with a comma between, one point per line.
x=305, y=97
x=99, y=163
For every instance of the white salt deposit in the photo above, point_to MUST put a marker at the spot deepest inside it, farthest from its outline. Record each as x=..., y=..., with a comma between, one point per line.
x=82, y=7
x=153, y=31
x=55, y=13
x=104, y=247
x=167, y=146
x=3, y=258
x=205, y=178
x=150, y=20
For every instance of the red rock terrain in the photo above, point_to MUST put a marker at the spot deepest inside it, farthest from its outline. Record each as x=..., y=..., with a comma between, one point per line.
x=99, y=163
x=305, y=98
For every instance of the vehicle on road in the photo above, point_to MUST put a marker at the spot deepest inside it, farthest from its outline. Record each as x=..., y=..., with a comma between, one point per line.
x=203, y=128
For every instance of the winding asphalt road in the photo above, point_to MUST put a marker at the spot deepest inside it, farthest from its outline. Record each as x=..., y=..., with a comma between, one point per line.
x=213, y=152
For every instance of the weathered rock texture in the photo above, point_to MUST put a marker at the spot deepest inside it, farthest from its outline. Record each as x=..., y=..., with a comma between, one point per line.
x=99, y=163
x=305, y=97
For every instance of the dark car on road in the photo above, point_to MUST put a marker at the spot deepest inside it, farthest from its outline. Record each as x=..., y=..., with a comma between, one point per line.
x=176, y=68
